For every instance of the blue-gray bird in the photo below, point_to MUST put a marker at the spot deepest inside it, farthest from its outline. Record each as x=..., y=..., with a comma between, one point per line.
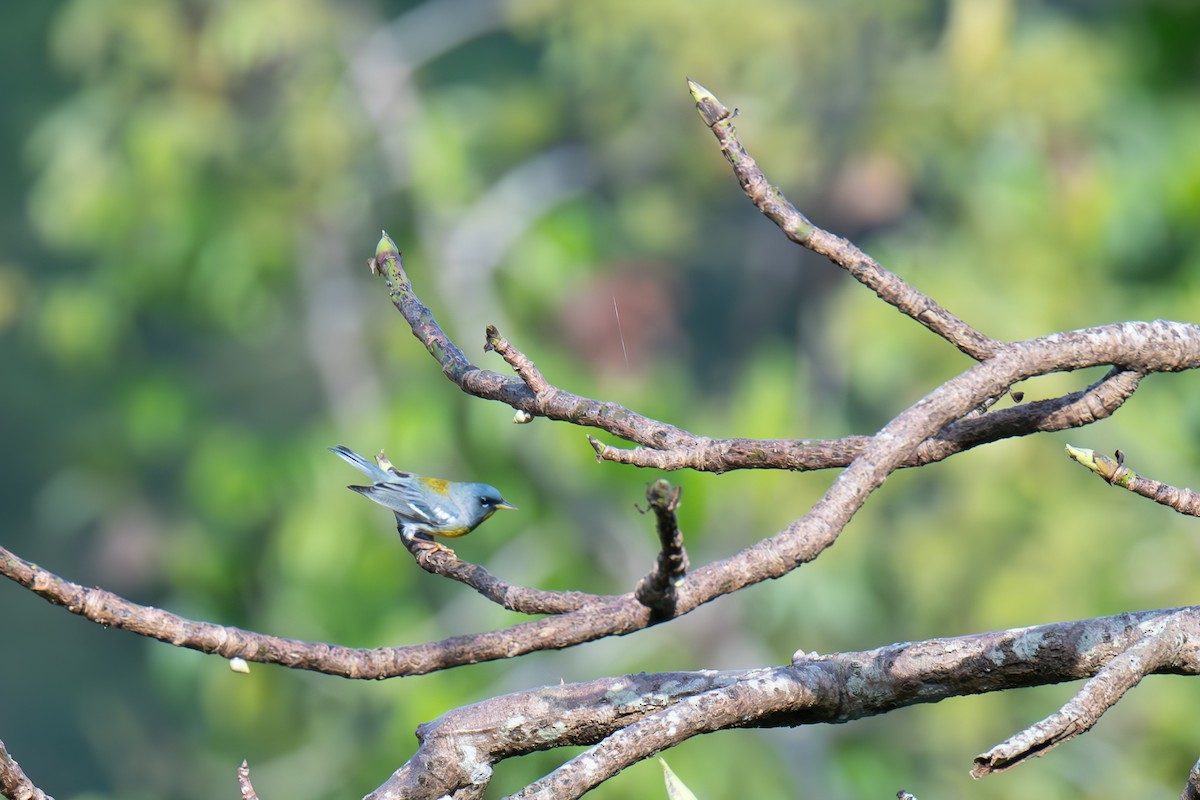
x=425, y=505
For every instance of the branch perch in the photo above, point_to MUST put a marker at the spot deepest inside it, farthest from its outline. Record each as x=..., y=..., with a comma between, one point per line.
x=623, y=720
x=1141, y=347
x=439, y=560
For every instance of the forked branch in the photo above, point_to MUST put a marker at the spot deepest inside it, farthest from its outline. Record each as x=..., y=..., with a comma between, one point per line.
x=1141, y=347
x=626, y=719
x=1167, y=643
x=1073, y=410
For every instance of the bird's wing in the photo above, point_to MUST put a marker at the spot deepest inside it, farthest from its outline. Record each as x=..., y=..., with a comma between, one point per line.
x=418, y=507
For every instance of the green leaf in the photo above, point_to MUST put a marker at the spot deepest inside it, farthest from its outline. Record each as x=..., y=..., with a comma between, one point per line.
x=676, y=790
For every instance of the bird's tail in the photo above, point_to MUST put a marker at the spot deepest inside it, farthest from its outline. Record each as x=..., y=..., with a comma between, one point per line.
x=372, y=471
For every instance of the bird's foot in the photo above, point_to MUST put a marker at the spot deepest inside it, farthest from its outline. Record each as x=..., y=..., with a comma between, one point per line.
x=420, y=543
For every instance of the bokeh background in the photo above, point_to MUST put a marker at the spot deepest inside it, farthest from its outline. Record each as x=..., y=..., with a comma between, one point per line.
x=190, y=193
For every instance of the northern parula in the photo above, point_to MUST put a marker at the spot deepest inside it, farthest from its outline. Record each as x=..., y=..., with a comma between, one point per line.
x=425, y=505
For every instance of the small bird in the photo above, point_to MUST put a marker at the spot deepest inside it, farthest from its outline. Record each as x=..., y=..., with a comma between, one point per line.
x=429, y=506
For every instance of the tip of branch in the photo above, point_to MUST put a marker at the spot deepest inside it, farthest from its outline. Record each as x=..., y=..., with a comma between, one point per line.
x=698, y=91
x=491, y=338
x=661, y=494
x=1098, y=463
x=1102, y=464
x=383, y=251
x=710, y=108
x=1083, y=455
x=385, y=246
x=244, y=784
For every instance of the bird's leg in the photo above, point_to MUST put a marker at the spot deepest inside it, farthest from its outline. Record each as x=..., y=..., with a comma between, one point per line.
x=418, y=541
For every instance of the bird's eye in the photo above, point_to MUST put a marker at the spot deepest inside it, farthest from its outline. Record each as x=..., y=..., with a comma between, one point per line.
x=485, y=501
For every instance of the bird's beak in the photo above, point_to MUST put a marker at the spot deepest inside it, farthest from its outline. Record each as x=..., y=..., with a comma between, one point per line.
x=506, y=504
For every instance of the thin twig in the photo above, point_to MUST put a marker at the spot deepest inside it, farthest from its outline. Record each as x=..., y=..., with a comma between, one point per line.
x=557, y=405
x=440, y=560
x=657, y=590
x=771, y=202
x=525, y=368
x=623, y=614
x=1185, y=501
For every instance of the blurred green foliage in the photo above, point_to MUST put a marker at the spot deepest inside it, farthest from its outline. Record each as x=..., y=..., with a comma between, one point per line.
x=186, y=322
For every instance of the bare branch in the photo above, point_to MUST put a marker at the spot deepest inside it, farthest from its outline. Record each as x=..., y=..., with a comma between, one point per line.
x=1191, y=789
x=1073, y=410
x=14, y=784
x=244, y=784
x=1161, y=647
x=440, y=560
x=890, y=288
x=627, y=719
x=621, y=615
x=657, y=590
x=1177, y=344
x=633, y=717
x=1137, y=347
x=1185, y=501
x=520, y=363
x=751, y=697
x=554, y=403
x=1140, y=347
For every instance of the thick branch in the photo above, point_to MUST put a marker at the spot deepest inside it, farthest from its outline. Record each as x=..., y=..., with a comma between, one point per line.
x=633, y=717
x=1163, y=645
x=1191, y=789
x=14, y=784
